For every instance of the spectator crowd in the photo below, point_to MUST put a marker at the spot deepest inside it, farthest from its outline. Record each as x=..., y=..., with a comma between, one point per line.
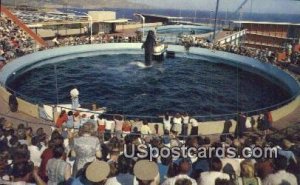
x=96, y=152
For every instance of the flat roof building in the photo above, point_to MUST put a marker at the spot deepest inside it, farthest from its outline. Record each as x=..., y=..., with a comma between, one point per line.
x=271, y=35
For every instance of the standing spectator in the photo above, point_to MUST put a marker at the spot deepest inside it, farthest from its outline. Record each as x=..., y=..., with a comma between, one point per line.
x=177, y=123
x=48, y=154
x=266, y=124
x=62, y=118
x=119, y=121
x=227, y=126
x=75, y=98
x=70, y=120
x=77, y=119
x=101, y=124
x=29, y=134
x=86, y=148
x=195, y=124
x=58, y=170
x=126, y=128
x=185, y=124
x=240, y=125
x=145, y=129
x=109, y=125
x=167, y=121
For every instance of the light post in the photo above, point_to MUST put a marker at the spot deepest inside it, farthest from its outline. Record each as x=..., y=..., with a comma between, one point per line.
x=91, y=22
x=215, y=22
x=143, y=22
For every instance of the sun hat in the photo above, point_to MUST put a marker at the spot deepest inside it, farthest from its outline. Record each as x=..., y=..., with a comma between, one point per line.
x=97, y=171
x=145, y=170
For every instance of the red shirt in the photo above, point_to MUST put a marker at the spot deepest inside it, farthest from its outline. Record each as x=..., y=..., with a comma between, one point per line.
x=61, y=120
x=46, y=156
x=126, y=127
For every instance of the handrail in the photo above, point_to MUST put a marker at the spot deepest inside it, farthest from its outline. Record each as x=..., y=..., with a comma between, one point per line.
x=281, y=131
x=22, y=120
x=132, y=133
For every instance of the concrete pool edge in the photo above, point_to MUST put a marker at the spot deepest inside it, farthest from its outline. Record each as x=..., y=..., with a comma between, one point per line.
x=240, y=61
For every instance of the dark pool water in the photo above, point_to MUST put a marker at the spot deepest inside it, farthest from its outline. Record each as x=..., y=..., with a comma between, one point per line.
x=123, y=85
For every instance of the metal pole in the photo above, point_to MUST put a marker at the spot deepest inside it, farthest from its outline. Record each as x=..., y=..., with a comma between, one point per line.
x=91, y=19
x=215, y=23
x=56, y=85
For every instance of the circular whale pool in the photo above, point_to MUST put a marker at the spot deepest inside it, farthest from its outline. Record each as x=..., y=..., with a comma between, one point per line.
x=120, y=82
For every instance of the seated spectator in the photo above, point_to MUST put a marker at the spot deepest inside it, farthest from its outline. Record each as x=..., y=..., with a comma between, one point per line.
x=22, y=173
x=124, y=170
x=164, y=167
x=184, y=168
x=95, y=172
x=183, y=182
x=264, y=167
x=146, y=173
x=209, y=178
x=286, y=152
x=36, y=150
x=281, y=176
x=248, y=174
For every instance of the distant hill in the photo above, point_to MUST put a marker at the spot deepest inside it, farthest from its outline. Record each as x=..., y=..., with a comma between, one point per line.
x=77, y=3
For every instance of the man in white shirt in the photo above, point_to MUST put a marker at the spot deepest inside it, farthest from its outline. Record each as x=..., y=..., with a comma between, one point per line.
x=177, y=121
x=281, y=176
x=75, y=98
x=109, y=126
x=185, y=123
x=209, y=178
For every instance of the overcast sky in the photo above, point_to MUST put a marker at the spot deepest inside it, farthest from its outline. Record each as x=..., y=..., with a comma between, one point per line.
x=259, y=6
